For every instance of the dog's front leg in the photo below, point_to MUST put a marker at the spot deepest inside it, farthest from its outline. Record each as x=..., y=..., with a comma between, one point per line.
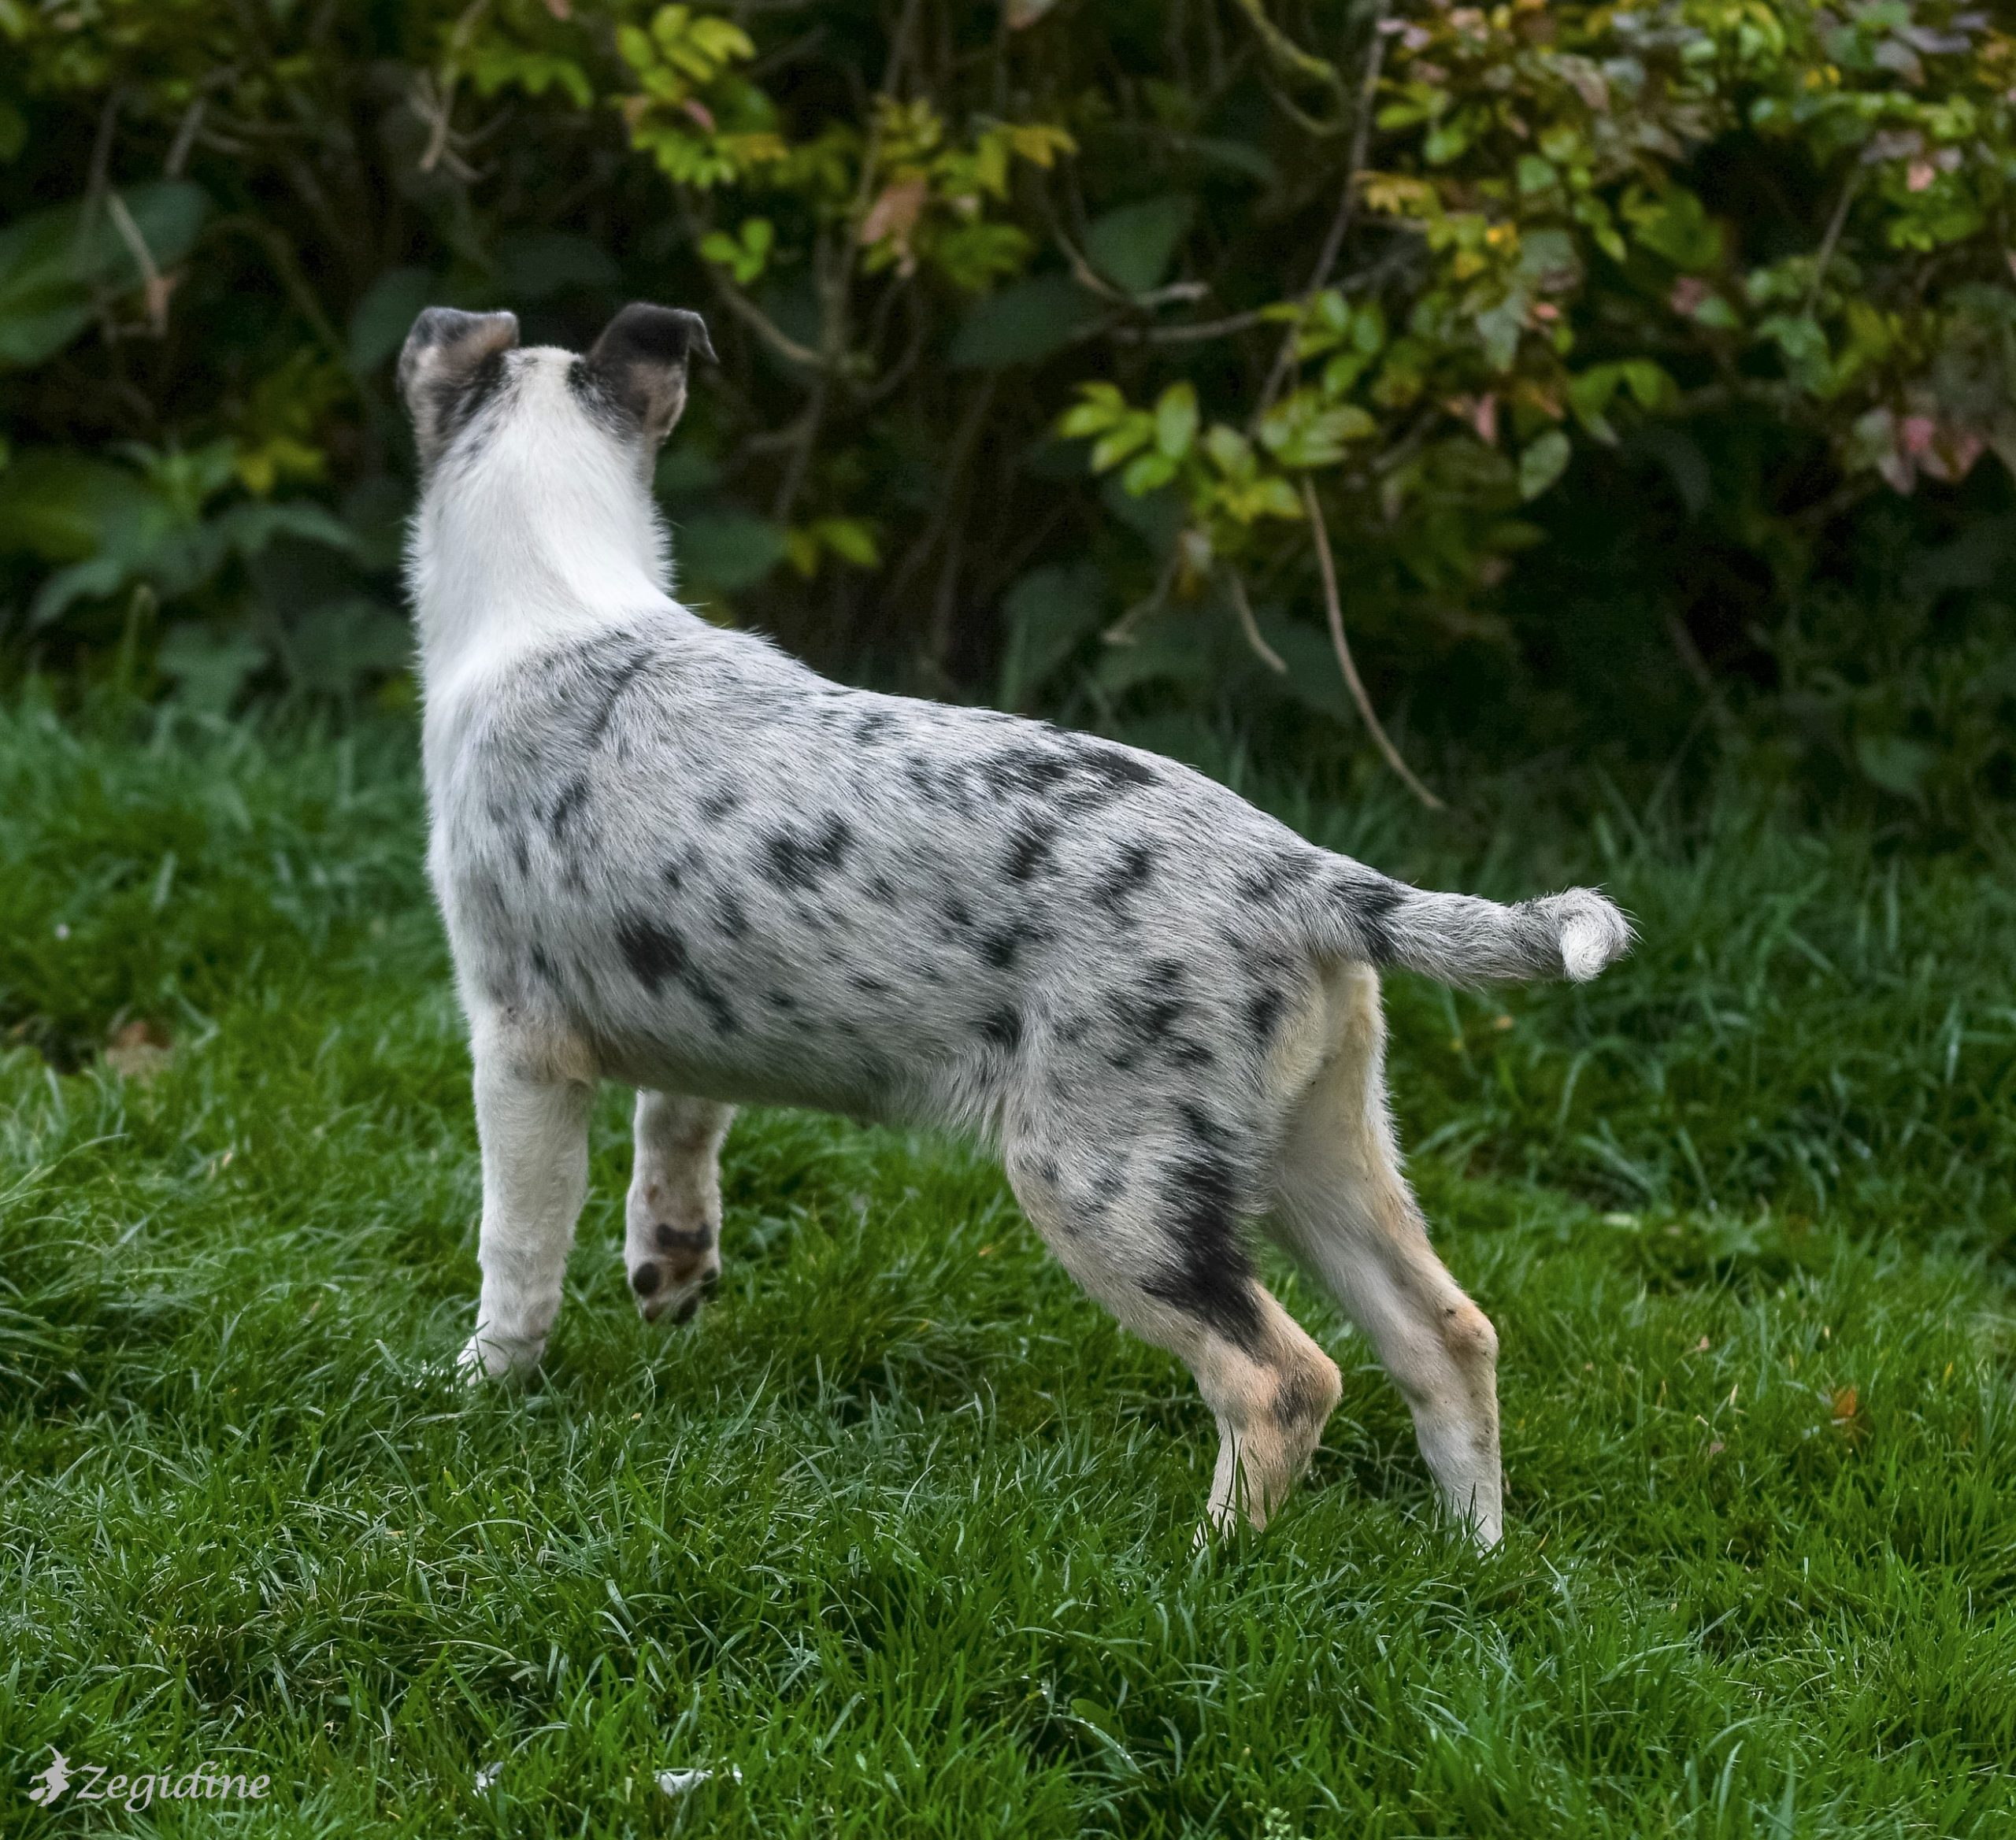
x=535, y=1135
x=672, y=1242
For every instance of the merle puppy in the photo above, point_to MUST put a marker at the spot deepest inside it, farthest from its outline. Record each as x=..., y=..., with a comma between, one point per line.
x=669, y=855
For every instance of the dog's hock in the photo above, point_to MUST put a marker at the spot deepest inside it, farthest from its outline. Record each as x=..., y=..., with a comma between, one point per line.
x=641, y=359
x=439, y=367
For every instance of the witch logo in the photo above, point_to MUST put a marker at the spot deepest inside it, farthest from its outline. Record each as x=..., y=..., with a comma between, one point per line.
x=54, y=1780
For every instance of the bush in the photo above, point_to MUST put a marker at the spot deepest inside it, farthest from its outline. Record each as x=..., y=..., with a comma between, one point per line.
x=1603, y=342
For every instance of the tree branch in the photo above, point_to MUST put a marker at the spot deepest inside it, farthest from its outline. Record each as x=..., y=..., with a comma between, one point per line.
x=1333, y=242
x=1334, y=608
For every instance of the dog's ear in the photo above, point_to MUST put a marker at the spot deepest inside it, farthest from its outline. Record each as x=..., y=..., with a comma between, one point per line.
x=640, y=362
x=450, y=362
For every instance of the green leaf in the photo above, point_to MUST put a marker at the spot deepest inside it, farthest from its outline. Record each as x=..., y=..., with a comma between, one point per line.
x=1543, y=462
x=1895, y=763
x=851, y=539
x=1231, y=452
x=728, y=550
x=209, y=669
x=333, y=646
x=1022, y=324
x=1133, y=246
x=1136, y=431
x=1677, y=225
x=1047, y=614
x=379, y=322
x=1147, y=472
x=62, y=507
x=1176, y=420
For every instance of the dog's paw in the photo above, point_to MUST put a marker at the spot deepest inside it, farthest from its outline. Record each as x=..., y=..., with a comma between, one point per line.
x=487, y=1355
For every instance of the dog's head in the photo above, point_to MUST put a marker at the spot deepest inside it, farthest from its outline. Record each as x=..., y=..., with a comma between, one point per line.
x=463, y=375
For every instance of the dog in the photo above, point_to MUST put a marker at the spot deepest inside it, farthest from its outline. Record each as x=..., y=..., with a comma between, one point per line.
x=668, y=854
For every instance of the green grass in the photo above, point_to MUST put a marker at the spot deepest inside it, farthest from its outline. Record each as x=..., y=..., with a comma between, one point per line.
x=901, y=1529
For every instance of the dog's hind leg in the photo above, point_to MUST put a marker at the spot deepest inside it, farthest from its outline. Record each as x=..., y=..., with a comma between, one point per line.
x=1193, y=1292
x=532, y=1116
x=1345, y=1210
x=672, y=1220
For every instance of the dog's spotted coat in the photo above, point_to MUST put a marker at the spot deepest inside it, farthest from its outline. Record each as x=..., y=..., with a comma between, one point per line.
x=670, y=855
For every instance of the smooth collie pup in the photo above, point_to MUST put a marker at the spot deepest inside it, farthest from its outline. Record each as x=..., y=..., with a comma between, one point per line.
x=669, y=855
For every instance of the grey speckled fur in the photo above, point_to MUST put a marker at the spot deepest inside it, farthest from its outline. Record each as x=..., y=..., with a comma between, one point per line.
x=668, y=854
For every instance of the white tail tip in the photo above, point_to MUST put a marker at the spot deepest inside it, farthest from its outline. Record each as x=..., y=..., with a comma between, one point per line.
x=1593, y=933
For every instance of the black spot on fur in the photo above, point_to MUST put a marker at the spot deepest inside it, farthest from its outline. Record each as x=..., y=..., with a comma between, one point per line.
x=1133, y=871
x=458, y=398
x=717, y=805
x=958, y=917
x=883, y=891
x=573, y=796
x=1002, y=1029
x=1032, y=841
x=999, y=946
x=646, y=1279
x=1208, y=1275
x=875, y=722
x=670, y=1238
x=656, y=952
x=615, y=680
x=1277, y=875
x=730, y=915
x=1026, y=769
x=792, y=859
x=1263, y=1011
x=1371, y=899
x=923, y=779
x=542, y=968
x=1112, y=767
x=868, y=986
x=1297, y=1400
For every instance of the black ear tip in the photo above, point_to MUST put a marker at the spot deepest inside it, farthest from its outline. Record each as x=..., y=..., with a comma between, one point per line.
x=701, y=343
x=663, y=335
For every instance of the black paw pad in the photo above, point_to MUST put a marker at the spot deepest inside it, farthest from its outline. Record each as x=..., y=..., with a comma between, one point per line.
x=672, y=1239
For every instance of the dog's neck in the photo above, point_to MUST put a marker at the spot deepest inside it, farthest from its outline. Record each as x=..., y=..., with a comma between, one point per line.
x=538, y=533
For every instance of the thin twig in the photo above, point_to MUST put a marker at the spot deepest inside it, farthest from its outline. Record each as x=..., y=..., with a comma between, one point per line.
x=1121, y=631
x=1093, y=282
x=1287, y=53
x=1196, y=329
x=1834, y=225
x=805, y=435
x=759, y=322
x=444, y=98
x=1250, y=627
x=185, y=136
x=1335, y=609
x=158, y=289
x=1333, y=242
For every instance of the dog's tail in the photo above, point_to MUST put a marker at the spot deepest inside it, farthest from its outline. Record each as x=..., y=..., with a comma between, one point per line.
x=1461, y=939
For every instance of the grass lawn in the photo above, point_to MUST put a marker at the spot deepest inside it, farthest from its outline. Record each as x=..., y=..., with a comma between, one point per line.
x=901, y=1529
